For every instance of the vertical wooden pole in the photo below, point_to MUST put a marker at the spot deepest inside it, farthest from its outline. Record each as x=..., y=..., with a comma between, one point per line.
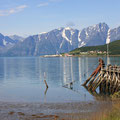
x=45, y=80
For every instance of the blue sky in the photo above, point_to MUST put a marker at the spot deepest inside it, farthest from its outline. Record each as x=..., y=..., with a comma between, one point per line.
x=28, y=17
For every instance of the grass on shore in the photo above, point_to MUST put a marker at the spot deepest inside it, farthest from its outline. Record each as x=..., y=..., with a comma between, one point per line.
x=108, y=113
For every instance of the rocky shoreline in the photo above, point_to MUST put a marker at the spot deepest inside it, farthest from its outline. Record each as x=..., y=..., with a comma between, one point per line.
x=49, y=111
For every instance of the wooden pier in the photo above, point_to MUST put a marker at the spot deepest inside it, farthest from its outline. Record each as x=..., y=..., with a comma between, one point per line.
x=105, y=79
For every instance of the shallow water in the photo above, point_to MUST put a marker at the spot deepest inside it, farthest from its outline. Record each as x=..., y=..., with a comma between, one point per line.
x=22, y=78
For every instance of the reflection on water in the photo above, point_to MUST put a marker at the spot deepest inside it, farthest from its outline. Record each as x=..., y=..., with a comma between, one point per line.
x=22, y=79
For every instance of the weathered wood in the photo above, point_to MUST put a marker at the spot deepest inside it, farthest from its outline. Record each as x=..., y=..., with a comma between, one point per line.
x=97, y=70
x=45, y=80
x=98, y=82
x=107, y=79
x=94, y=82
x=46, y=83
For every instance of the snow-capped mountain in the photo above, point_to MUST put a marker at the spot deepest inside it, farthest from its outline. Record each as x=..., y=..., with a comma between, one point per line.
x=94, y=35
x=6, y=43
x=16, y=38
x=113, y=34
x=53, y=42
x=64, y=40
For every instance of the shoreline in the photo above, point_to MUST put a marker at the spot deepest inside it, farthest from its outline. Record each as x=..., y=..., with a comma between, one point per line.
x=83, y=55
x=54, y=56
x=51, y=111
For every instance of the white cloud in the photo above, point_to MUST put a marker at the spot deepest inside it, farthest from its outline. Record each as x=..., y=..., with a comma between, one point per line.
x=48, y=2
x=70, y=24
x=12, y=10
x=43, y=4
x=22, y=7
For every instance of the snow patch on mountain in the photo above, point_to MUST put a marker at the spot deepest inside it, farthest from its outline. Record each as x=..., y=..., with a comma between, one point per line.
x=42, y=33
x=79, y=36
x=81, y=44
x=87, y=35
x=108, y=37
x=4, y=42
x=61, y=44
x=114, y=34
x=63, y=40
x=64, y=35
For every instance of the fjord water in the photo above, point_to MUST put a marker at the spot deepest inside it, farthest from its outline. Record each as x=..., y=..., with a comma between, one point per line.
x=22, y=78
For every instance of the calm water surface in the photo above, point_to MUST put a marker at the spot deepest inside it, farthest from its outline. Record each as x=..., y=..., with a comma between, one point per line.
x=22, y=78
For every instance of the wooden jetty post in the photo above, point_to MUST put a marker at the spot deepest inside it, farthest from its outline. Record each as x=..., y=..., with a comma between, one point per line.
x=107, y=79
x=46, y=83
x=94, y=74
x=45, y=80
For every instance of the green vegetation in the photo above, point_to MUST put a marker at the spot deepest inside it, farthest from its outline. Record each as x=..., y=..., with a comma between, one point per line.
x=108, y=112
x=114, y=49
x=114, y=114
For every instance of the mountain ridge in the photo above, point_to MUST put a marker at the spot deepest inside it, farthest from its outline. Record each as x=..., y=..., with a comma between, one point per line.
x=63, y=40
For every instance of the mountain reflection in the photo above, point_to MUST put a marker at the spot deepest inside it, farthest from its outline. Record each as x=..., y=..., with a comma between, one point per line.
x=59, y=71
x=23, y=77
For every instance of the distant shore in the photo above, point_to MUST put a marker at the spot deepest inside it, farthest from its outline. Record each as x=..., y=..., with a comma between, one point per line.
x=69, y=55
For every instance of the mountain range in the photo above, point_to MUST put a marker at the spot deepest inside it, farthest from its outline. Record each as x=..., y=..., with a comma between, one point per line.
x=58, y=40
